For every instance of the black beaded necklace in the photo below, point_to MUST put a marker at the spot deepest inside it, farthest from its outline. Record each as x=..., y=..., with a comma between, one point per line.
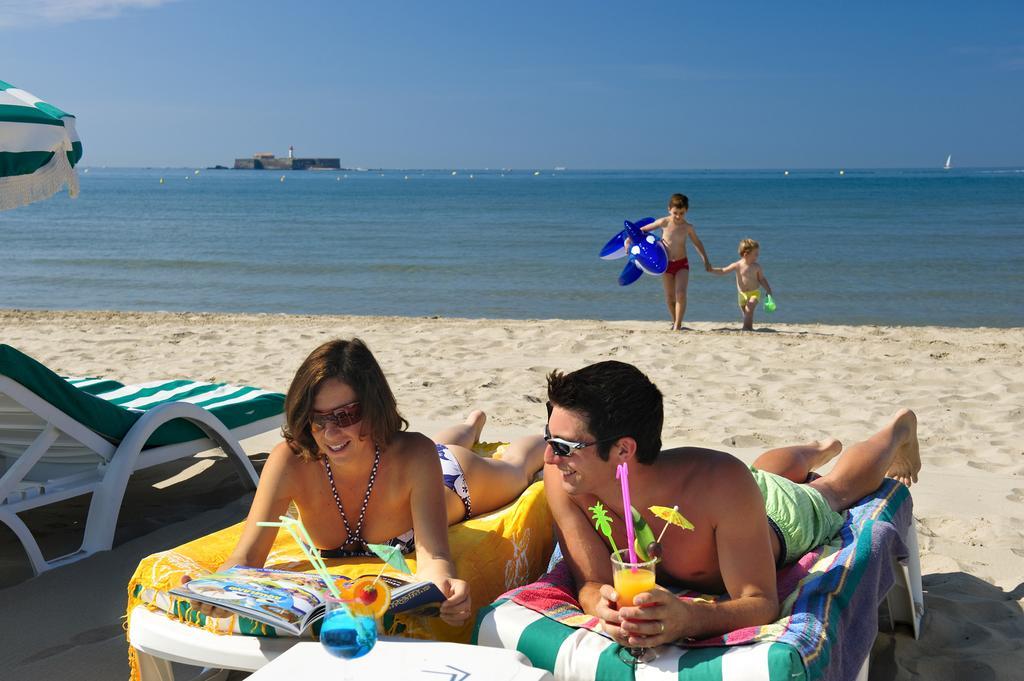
x=357, y=536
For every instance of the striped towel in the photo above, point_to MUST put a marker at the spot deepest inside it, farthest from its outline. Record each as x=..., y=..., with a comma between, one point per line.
x=829, y=614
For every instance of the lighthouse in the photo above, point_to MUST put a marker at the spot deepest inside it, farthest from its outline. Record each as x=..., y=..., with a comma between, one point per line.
x=291, y=151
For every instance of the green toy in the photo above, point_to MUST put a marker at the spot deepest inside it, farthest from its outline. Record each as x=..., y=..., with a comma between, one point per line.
x=643, y=536
x=769, y=303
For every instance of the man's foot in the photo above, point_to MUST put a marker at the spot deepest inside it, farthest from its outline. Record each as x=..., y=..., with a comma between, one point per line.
x=827, y=450
x=906, y=462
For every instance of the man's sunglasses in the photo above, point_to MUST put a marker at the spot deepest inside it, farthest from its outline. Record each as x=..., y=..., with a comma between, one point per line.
x=564, y=448
x=344, y=416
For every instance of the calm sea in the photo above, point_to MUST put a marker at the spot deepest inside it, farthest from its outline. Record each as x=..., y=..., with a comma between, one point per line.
x=867, y=247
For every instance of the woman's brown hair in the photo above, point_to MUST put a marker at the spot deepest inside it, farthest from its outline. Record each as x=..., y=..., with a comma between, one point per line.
x=352, y=362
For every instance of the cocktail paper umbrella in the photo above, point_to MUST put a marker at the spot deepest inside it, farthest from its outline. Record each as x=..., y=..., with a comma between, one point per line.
x=391, y=556
x=38, y=149
x=672, y=515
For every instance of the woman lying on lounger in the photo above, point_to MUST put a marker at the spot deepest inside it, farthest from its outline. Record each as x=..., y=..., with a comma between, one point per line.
x=356, y=476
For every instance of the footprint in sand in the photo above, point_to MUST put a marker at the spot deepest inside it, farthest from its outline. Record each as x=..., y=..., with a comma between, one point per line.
x=1016, y=495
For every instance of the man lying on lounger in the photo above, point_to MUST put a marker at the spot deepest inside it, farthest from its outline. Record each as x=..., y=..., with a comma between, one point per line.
x=747, y=520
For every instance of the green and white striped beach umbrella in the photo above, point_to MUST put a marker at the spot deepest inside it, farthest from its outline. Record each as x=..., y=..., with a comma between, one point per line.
x=38, y=149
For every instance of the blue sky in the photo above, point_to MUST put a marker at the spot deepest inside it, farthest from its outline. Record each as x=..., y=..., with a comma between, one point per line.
x=475, y=84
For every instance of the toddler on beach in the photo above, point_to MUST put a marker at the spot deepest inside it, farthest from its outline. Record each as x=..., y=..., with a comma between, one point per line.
x=749, y=280
x=674, y=231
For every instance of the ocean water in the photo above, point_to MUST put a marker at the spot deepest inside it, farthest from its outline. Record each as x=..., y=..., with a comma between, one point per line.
x=901, y=247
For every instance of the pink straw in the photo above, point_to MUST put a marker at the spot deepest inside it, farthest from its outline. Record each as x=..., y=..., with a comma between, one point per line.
x=622, y=473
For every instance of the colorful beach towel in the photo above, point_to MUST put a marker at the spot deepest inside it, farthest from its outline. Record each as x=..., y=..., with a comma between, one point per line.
x=829, y=613
x=493, y=552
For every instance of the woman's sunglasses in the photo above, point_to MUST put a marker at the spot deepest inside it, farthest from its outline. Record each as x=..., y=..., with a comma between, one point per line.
x=344, y=416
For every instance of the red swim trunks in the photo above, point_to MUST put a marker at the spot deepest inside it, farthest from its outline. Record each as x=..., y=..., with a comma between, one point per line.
x=676, y=265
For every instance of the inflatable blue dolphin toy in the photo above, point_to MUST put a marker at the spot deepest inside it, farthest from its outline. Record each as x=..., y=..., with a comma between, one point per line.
x=646, y=252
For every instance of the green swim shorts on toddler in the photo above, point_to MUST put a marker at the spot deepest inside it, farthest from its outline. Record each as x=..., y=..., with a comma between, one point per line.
x=799, y=514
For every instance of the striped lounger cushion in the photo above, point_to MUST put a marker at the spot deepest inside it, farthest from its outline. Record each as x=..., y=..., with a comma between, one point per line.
x=829, y=614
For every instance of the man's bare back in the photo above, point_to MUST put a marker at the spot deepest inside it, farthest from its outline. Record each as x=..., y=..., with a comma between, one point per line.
x=704, y=484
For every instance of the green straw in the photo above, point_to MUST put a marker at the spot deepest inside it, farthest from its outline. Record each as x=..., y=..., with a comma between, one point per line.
x=294, y=528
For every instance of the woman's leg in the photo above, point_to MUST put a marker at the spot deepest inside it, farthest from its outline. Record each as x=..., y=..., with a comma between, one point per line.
x=797, y=461
x=465, y=434
x=494, y=483
x=891, y=452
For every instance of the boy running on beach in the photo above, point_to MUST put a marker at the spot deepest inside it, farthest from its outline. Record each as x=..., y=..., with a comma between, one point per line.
x=749, y=280
x=676, y=278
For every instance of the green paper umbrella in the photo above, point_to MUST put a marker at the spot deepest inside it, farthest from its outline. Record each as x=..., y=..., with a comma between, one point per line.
x=390, y=555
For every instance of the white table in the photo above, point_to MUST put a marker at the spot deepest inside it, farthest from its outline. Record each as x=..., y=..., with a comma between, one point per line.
x=406, y=659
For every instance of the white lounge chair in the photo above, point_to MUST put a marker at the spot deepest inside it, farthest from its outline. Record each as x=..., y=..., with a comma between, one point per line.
x=63, y=438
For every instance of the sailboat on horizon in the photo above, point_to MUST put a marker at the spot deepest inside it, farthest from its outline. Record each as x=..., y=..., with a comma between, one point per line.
x=949, y=162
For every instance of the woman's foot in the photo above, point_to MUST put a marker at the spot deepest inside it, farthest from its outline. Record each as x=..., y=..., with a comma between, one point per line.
x=476, y=421
x=906, y=462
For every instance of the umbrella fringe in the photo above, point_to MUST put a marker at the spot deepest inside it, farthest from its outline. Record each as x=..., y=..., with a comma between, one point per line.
x=22, y=190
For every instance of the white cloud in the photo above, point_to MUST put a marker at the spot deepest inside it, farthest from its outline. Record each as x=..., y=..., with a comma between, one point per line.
x=34, y=12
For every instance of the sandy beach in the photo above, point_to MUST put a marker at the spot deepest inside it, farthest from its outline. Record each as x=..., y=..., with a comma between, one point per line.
x=723, y=389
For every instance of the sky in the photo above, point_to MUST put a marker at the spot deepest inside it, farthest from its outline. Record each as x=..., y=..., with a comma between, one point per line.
x=481, y=84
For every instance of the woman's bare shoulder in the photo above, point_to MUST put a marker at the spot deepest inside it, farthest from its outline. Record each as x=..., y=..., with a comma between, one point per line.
x=412, y=444
x=285, y=467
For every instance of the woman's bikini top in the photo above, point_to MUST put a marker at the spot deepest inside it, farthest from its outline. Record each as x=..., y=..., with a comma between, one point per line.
x=405, y=542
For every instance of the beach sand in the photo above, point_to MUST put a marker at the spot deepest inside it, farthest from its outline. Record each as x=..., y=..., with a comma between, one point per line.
x=723, y=389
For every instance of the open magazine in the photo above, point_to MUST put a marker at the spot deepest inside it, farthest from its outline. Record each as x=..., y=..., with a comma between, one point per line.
x=293, y=601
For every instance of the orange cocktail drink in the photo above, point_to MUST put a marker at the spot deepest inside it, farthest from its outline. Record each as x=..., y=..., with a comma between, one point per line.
x=631, y=579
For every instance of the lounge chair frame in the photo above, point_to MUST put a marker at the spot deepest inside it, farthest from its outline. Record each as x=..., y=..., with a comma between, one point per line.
x=102, y=467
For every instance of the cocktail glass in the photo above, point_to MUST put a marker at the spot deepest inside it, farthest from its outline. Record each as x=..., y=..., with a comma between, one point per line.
x=630, y=579
x=347, y=631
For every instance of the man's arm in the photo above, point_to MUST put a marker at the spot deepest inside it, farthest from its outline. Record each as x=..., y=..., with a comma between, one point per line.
x=587, y=556
x=746, y=564
x=699, y=245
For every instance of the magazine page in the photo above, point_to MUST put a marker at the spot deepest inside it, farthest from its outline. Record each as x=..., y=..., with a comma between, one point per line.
x=285, y=600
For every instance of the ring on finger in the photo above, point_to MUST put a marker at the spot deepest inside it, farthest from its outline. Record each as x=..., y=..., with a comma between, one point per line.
x=662, y=627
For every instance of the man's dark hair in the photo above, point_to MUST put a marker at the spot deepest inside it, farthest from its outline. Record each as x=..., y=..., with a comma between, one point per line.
x=616, y=400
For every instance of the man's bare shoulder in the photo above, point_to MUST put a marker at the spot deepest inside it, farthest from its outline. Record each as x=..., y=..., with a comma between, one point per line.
x=707, y=469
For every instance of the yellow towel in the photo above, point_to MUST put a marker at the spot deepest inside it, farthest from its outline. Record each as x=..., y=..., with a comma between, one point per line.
x=493, y=553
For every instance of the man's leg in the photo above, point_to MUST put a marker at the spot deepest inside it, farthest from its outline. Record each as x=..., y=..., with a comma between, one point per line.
x=681, y=284
x=668, y=281
x=797, y=461
x=891, y=452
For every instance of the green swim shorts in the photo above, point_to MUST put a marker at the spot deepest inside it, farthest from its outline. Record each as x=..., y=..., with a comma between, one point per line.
x=798, y=514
